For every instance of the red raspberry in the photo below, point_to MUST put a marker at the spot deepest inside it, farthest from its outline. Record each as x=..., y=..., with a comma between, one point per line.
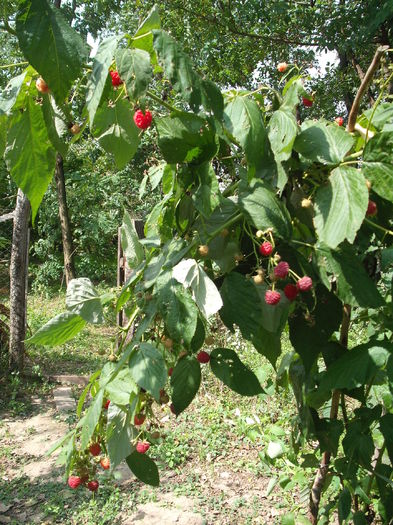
x=106, y=404
x=105, y=463
x=339, y=120
x=281, y=270
x=139, y=419
x=93, y=485
x=143, y=121
x=371, y=208
x=290, y=291
x=95, y=449
x=265, y=248
x=203, y=357
x=304, y=284
x=142, y=447
x=170, y=371
x=74, y=481
x=272, y=297
x=307, y=101
x=116, y=80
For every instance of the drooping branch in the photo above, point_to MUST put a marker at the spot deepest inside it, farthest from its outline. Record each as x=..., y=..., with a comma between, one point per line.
x=364, y=86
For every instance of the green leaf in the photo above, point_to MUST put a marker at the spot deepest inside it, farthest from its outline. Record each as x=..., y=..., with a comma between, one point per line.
x=386, y=427
x=343, y=266
x=143, y=468
x=244, y=121
x=308, y=336
x=116, y=131
x=50, y=44
x=358, y=443
x=282, y=132
x=58, y=330
x=156, y=173
x=264, y=209
x=199, y=337
x=212, y=98
x=381, y=115
x=191, y=275
x=178, y=310
x=227, y=366
x=3, y=133
x=340, y=206
x=135, y=70
x=98, y=78
x=120, y=389
x=356, y=367
x=91, y=419
x=119, y=434
x=56, y=123
x=148, y=369
x=185, y=381
x=10, y=93
x=323, y=142
x=344, y=505
x=207, y=196
x=83, y=299
x=186, y=138
x=291, y=93
x=378, y=164
x=275, y=449
x=29, y=154
x=143, y=38
x=132, y=248
x=328, y=432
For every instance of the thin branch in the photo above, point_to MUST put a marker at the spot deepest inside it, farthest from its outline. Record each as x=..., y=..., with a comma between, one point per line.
x=6, y=27
x=363, y=87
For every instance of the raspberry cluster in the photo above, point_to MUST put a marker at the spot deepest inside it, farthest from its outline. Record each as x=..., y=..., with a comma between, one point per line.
x=143, y=120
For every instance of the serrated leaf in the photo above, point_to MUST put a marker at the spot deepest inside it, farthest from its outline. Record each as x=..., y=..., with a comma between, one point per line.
x=135, y=70
x=148, y=369
x=358, y=443
x=120, y=389
x=185, y=381
x=50, y=44
x=227, y=367
x=10, y=93
x=323, y=142
x=58, y=330
x=186, y=138
x=29, y=154
x=207, y=196
x=354, y=286
x=56, y=123
x=143, y=468
x=98, y=78
x=386, y=427
x=282, y=132
x=340, y=206
x=190, y=274
x=116, y=131
x=177, y=308
x=143, y=38
x=83, y=299
x=155, y=174
x=378, y=164
x=265, y=210
x=119, y=435
x=344, y=505
x=244, y=121
x=3, y=133
x=91, y=419
x=132, y=248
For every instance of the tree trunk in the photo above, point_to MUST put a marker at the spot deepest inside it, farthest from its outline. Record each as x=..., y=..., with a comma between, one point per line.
x=64, y=220
x=18, y=282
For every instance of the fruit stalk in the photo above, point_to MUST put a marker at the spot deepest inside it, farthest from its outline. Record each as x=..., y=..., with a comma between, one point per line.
x=319, y=481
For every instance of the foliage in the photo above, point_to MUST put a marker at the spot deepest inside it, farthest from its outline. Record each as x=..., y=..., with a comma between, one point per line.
x=301, y=187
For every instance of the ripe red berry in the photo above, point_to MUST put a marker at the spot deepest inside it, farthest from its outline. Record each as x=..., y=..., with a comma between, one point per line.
x=139, y=419
x=304, y=284
x=282, y=67
x=290, y=291
x=281, y=270
x=371, y=208
x=74, y=482
x=203, y=357
x=105, y=463
x=143, y=121
x=339, y=120
x=272, y=297
x=307, y=101
x=41, y=85
x=93, y=485
x=265, y=248
x=95, y=449
x=142, y=447
x=116, y=80
x=106, y=404
x=170, y=371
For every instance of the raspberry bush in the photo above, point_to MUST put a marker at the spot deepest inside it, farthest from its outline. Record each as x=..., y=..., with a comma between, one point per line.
x=264, y=220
